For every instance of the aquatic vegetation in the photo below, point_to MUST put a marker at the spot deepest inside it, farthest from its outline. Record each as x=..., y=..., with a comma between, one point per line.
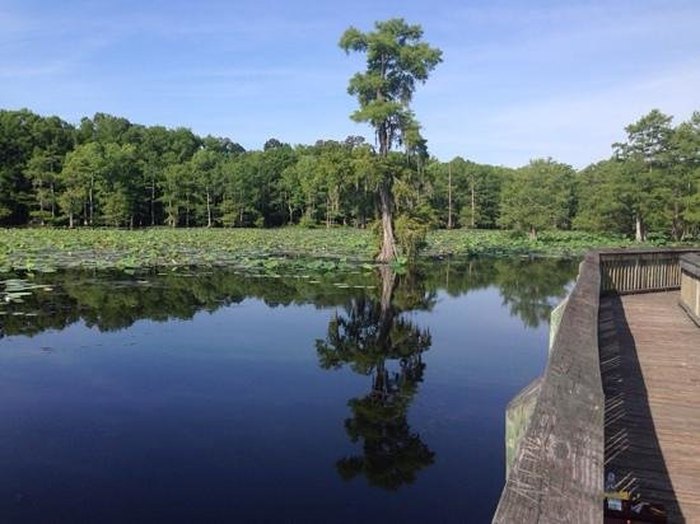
x=14, y=289
x=13, y=292
x=265, y=250
x=510, y=243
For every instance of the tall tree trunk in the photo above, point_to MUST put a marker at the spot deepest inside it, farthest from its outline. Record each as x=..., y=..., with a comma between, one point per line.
x=209, y=221
x=171, y=215
x=388, y=249
x=449, y=196
x=386, y=315
x=70, y=219
x=676, y=227
x=473, y=203
x=41, y=206
x=639, y=234
x=153, y=200
x=53, y=202
x=387, y=252
x=92, y=203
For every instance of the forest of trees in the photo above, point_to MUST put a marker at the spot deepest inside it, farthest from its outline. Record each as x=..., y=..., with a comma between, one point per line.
x=107, y=171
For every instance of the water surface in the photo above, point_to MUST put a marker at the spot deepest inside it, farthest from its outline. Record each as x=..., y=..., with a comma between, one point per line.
x=219, y=396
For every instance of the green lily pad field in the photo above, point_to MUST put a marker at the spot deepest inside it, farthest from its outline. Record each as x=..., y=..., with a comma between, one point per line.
x=46, y=250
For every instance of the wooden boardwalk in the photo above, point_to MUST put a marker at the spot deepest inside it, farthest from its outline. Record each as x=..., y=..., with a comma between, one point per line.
x=650, y=364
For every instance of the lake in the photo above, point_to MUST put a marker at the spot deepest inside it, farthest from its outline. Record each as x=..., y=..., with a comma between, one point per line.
x=215, y=395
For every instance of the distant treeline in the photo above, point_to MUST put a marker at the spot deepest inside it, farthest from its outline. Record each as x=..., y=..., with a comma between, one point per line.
x=108, y=171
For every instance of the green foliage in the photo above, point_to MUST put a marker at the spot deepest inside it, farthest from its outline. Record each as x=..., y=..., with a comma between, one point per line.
x=307, y=222
x=443, y=243
x=648, y=188
x=602, y=207
x=166, y=247
x=411, y=234
x=42, y=172
x=396, y=59
x=538, y=196
x=466, y=194
x=107, y=171
x=646, y=158
x=24, y=135
x=42, y=249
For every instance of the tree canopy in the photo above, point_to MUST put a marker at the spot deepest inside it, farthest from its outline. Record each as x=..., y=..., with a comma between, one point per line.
x=108, y=171
x=538, y=196
x=397, y=59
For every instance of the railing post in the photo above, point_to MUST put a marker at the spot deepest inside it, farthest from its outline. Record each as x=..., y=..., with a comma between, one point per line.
x=690, y=286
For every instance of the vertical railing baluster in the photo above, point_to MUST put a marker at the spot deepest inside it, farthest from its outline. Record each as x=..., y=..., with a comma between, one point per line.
x=639, y=272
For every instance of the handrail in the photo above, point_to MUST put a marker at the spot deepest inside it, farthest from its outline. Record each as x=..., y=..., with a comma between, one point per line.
x=690, y=286
x=557, y=470
x=557, y=474
x=641, y=270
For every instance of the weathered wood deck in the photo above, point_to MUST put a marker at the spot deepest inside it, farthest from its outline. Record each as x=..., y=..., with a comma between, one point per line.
x=620, y=393
x=650, y=363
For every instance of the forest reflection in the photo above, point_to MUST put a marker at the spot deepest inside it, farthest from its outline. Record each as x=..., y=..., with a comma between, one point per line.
x=113, y=300
x=372, y=330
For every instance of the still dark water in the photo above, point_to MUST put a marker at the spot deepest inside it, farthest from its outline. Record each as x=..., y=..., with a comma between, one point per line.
x=220, y=397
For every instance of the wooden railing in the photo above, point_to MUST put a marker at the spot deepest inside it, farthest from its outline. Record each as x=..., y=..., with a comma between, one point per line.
x=641, y=271
x=690, y=286
x=557, y=471
x=556, y=474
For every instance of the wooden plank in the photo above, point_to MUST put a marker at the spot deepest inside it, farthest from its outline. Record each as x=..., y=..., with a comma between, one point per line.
x=650, y=368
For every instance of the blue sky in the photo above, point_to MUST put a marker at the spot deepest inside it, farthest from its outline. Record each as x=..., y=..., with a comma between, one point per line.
x=519, y=80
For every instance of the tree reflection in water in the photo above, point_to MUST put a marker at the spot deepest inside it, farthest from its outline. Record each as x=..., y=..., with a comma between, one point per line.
x=373, y=335
x=111, y=301
x=373, y=338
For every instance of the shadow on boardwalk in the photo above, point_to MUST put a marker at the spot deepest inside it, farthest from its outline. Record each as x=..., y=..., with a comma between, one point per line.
x=632, y=449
